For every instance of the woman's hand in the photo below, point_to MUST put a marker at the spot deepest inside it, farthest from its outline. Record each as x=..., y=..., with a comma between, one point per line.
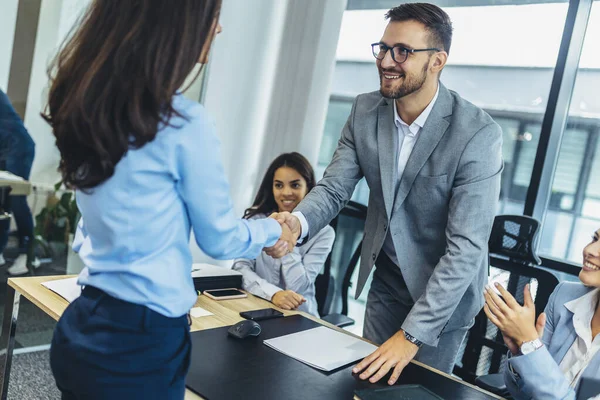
x=287, y=299
x=286, y=242
x=517, y=323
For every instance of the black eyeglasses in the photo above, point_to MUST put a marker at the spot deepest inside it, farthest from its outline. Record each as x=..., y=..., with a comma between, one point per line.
x=399, y=53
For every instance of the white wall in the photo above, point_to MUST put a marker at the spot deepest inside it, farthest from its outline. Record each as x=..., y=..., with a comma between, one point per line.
x=22, y=56
x=8, y=20
x=239, y=84
x=56, y=19
x=268, y=85
x=305, y=67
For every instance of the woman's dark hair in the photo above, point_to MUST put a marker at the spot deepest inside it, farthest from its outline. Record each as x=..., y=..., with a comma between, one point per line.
x=114, y=79
x=264, y=202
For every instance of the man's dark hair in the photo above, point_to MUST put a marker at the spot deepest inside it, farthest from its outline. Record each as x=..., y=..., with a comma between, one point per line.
x=434, y=18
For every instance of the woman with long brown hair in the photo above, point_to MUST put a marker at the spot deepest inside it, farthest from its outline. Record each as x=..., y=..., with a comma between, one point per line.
x=145, y=163
x=288, y=282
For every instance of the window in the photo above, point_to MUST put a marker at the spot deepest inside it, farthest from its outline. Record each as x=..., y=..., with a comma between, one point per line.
x=574, y=208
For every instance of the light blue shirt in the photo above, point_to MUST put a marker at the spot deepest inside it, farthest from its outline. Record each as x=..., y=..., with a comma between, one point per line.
x=135, y=228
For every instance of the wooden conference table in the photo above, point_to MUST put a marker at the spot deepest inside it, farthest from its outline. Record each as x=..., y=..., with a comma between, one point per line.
x=225, y=312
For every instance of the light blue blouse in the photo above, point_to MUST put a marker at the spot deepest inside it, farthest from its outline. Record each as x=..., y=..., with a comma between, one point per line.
x=135, y=229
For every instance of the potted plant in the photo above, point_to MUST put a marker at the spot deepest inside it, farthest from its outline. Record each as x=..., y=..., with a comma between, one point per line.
x=56, y=224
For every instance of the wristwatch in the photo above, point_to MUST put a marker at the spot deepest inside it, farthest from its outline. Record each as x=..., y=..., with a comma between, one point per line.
x=412, y=339
x=531, y=346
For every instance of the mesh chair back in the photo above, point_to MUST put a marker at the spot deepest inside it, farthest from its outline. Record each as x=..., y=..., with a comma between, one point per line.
x=513, y=261
x=329, y=285
x=515, y=237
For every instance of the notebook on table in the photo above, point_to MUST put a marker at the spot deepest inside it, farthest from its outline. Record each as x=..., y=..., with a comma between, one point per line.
x=399, y=392
x=206, y=277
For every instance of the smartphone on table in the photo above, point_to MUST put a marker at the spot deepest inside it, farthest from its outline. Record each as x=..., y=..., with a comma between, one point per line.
x=259, y=315
x=225, y=294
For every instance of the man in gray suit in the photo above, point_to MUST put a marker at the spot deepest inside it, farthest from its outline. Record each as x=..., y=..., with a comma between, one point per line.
x=432, y=161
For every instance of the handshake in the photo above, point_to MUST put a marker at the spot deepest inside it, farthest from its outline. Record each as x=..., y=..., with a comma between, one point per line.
x=290, y=232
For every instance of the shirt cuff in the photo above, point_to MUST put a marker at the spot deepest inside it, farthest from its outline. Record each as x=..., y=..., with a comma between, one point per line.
x=422, y=336
x=273, y=230
x=303, y=224
x=512, y=371
x=270, y=290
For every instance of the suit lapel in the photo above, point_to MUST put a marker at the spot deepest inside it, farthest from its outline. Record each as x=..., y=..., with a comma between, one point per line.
x=387, y=147
x=568, y=341
x=429, y=136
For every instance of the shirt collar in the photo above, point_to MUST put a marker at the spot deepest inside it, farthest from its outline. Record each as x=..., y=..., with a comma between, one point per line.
x=583, y=309
x=421, y=119
x=585, y=304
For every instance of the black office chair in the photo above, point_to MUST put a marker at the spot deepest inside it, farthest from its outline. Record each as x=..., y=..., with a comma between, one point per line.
x=512, y=250
x=341, y=319
x=330, y=294
x=325, y=283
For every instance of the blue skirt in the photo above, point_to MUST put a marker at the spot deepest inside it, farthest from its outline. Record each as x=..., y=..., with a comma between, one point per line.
x=106, y=348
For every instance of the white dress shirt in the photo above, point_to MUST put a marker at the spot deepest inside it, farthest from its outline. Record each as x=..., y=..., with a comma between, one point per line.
x=407, y=137
x=585, y=346
x=296, y=271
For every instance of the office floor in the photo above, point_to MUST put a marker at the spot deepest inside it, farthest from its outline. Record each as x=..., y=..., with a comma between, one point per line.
x=31, y=378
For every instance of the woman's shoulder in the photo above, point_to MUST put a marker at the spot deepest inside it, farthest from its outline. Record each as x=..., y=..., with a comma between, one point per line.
x=190, y=131
x=567, y=291
x=191, y=117
x=188, y=108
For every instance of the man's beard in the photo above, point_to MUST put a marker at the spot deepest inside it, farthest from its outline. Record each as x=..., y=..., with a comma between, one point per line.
x=410, y=85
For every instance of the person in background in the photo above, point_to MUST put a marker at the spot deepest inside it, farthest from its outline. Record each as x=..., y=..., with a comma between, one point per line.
x=548, y=357
x=17, y=150
x=146, y=166
x=288, y=282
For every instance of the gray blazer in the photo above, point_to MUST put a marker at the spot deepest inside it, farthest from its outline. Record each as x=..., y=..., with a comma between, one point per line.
x=539, y=374
x=441, y=217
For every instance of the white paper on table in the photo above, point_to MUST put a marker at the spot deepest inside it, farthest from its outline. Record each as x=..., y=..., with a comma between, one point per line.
x=68, y=288
x=7, y=176
x=198, y=312
x=322, y=348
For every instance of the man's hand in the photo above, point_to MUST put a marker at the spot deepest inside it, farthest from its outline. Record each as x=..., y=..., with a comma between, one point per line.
x=290, y=220
x=287, y=299
x=516, y=322
x=512, y=344
x=284, y=245
x=395, y=354
x=291, y=229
